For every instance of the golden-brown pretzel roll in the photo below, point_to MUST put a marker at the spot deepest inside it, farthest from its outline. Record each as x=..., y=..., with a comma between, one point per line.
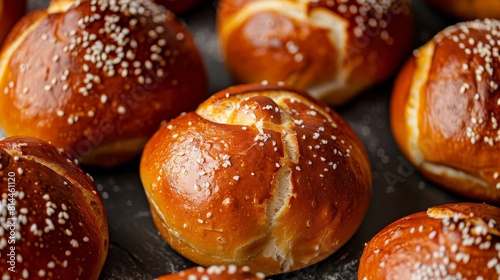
x=258, y=176
x=52, y=220
x=230, y=272
x=469, y=9
x=446, y=107
x=332, y=48
x=10, y=12
x=97, y=77
x=178, y=6
x=454, y=241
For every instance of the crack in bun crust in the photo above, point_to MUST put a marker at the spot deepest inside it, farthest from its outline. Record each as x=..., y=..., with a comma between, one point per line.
x=97, y=77
x=334, y=49
x=445, y=109
x=258, y=175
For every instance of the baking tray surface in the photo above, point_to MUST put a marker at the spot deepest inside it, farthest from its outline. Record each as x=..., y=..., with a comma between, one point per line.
x=137, y=251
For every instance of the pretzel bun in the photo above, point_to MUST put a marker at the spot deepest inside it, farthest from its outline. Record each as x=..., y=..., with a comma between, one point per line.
x=332, y=48
x=178, y=6
x=230, y=272
x=454, y=241
x=259, y=176
x=446, y=107
x=98, y=77
x=10, y=12
x=52, y=220
x=468, y=9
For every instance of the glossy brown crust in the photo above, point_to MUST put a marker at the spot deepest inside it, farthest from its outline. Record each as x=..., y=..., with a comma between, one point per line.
x=10, y=13
x=98, y=92
x=178, y=6
x=321, y=46
x=259, y=176
x=61, y=229
x=397, y=108
x=451, y=241
x=458, y=110
x=468, y=9
x=230, y=272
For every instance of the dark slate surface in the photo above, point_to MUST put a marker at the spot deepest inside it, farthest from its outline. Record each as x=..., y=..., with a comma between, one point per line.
x=138, y=252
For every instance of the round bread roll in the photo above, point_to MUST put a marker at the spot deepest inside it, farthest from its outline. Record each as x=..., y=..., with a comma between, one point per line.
x=454, y=241
x=10, y=12
x=230, y=272
x=178, y=6
x=52, y=220
x=468, y=9
x=332, y=48
x=98, y=77
x=446, y=107
x=259, y=176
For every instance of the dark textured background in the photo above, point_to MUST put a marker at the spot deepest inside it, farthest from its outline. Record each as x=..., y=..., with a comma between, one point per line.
x=138, y=252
